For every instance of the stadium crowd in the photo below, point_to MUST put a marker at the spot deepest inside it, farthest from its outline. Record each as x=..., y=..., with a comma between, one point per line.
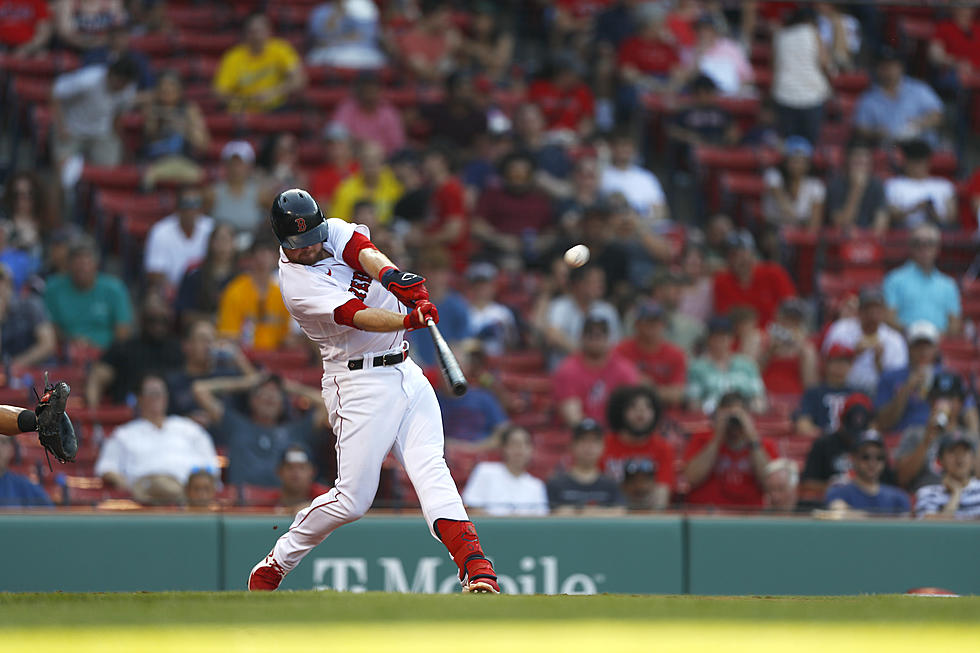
x=779, y=312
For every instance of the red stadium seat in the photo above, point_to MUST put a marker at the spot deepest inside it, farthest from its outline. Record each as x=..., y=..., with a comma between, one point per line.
x=153, y=45
x=49, y=65
x=126, y=177
x=207, y=43
x=274, y=123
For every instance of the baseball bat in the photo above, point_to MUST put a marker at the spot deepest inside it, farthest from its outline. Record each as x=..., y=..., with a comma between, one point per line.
x=450, y=366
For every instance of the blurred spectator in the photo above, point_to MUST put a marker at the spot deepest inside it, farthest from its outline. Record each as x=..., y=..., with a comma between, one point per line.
x=154, y=350
x=251, y=310
x=488, y=46
x=470, y=421
x=764, y=132
x=84, y=24
x=639, y=486
x=957, y=494
x=280, y=159
x=915, y=197
x=750, y=282
x=174, y=134
x=840, y=34
x=201, y=490
x=585, y=380
x=661, y=363
x=411, y=208
x=563, y=96
x=901, y=398
x=261, y=72
x=25, y=27
x=345, y=35
x=701, y=122
x=646, y=62
x=952, y=47
x=583, y=194
x=456, y=119
x=821, y=405
x=86, y=305
x=369, y=116
x=716, y=233
x=726, y=466
x=718, y=57
x=614, y=24
x=749, y=338
x=919, y=291
x=794, y=196
x=638, y=185
x=506, y=488
x=204, y=357
x=698, y=295
x=448, y=225
x=374, y=181
x=865, y=492
x=491, y=322
x=877, y=347
x=256, y=439
x=582, y=488
x=634, y=414
x=340, y=164
x=17, y=491
x=856, y=195
x=24, y=210
x=897, y=107
x=235, y=198
x=86, y=105
x=919, y=444
x=429, y=48
x=568, y=313
x=553, y=165
x=202, y=284
x=682, y=330
x=116, y=47
x=782, y=481
x=719, y=372
x=799, y=84
x=828, y=461
x=27, y=337
x=153, y=455
x=454, y=312
x=514, y=218
x=178, y=241
x=296, y=473
x=788, y=359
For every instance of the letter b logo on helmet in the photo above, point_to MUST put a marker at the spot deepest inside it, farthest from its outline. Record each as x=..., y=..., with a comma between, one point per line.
x=297, y=220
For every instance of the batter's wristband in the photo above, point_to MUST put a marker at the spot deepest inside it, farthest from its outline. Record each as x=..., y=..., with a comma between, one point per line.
x=383, y=271
x=27, y=421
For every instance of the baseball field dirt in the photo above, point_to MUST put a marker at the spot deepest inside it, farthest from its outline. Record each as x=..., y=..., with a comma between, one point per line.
x=236, y=621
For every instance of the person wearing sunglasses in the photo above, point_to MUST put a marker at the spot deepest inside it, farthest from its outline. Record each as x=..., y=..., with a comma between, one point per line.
x=865, y=492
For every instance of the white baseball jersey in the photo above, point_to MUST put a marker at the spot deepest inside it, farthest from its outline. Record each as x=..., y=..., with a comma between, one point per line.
x=313, y=292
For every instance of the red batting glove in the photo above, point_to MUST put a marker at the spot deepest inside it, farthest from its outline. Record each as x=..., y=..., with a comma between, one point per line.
x=417, y=317
x=407, y=287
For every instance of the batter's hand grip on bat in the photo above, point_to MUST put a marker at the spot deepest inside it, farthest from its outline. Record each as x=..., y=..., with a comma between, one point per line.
x=447, y=361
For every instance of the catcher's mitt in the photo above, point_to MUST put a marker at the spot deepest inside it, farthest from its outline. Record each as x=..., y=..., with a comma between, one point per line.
x=54, y=429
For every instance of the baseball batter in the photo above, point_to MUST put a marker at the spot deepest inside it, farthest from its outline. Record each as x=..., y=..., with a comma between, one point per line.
x=356, y=305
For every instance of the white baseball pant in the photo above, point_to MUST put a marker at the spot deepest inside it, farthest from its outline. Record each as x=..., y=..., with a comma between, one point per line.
x=373, y=411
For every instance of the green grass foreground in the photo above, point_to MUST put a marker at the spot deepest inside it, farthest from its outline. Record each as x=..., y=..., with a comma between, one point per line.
x=205, y=622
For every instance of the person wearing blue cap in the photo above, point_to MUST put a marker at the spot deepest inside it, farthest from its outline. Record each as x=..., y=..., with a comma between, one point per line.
x=793, y=196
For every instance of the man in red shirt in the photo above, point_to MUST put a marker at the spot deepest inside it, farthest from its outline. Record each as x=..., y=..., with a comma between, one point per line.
x=634, y=413
x=340, y=164
x=726, y=466
x=763, y=285
x=509, y=219
x=566, y=101
x=25, y=26
x=660, y=362
x=448, y=224
x=583, y=382
x=954, y=43
x=648, y=54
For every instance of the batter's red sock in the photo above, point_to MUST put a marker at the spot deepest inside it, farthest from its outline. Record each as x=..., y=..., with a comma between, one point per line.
x=464, y=546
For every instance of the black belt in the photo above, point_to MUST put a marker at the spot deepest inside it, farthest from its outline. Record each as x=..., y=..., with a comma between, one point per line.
x=379, y=361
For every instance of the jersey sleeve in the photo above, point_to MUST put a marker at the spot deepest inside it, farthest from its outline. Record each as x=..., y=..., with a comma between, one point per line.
x=308, y=295
x=339, y=233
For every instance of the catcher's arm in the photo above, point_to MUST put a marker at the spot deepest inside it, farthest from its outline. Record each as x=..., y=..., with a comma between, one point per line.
x=14, y=420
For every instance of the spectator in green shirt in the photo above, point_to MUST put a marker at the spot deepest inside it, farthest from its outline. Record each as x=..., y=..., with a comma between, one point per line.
x=720, y=371
x=86, y=305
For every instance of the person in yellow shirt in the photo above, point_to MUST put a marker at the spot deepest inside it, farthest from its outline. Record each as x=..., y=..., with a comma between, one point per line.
x=375, y=182
x=250, y=310
x=260, y=73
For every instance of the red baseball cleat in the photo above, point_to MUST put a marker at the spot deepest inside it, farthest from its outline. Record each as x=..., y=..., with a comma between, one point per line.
x=480, y=577
x=265, y=576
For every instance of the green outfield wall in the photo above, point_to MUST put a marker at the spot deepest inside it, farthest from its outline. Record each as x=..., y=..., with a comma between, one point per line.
x=655, y=555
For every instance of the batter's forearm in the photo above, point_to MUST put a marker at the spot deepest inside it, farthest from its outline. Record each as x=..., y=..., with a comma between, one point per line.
x=379, y=320
x=14, y=420
x=373, y=261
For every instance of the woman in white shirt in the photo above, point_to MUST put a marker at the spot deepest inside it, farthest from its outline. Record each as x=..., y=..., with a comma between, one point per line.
x=793, y=197
x=799, y=82
x=506, y=488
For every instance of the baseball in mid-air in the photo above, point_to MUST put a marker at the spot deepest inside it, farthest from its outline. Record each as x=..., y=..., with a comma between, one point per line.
x=577, y=256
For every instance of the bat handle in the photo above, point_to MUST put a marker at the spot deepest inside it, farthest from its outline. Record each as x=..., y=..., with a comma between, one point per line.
x=429, y=322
